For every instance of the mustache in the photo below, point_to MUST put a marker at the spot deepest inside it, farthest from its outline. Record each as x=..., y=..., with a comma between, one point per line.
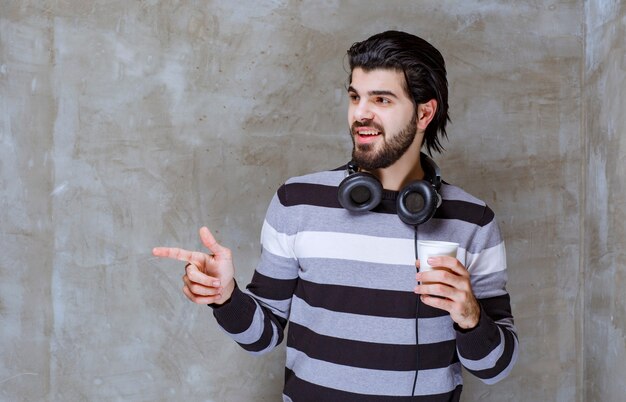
x=358, y=124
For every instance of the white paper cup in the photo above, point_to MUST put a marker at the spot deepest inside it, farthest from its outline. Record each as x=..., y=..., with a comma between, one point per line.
x=432, y=248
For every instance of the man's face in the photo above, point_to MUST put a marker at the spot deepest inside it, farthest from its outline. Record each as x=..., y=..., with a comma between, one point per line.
x=382, y=118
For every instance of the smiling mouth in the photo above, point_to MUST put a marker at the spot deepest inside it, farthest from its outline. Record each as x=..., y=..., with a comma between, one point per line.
x=366, y=135
x=367, y=132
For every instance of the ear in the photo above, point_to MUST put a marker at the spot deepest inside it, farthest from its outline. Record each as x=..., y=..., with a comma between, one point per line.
x=425, y=114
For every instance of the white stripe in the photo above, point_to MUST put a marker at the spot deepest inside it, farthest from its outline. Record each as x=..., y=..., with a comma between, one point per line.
x=487, y=261
x=277, y=243
x=380, y=250
x=348, y=246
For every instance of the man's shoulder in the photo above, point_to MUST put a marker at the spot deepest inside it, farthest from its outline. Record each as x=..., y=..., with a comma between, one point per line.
x=324, y=177
x=450, y=192
x=317, y=189
x=461, y=205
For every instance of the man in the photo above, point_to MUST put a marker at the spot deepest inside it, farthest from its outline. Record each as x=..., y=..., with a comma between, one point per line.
x=345, y=278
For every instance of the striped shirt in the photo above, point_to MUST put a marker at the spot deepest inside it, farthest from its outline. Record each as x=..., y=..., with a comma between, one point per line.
x=344, y=281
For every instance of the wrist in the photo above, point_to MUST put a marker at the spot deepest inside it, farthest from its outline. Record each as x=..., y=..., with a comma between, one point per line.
x=472, y=319
x=471, y=323
x=227, y=292
x=468, y=325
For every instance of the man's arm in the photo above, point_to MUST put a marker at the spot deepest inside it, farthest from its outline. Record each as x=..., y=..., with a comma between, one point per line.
x=478, y=303
x=489, y=351
x=256, y=317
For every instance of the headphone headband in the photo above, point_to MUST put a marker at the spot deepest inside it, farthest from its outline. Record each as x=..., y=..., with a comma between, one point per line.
x=432, y=173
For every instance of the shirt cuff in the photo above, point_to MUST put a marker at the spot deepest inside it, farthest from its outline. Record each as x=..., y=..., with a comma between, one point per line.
x=478, y=341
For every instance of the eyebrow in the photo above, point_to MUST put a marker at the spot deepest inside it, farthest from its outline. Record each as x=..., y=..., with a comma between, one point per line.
x=375, y=92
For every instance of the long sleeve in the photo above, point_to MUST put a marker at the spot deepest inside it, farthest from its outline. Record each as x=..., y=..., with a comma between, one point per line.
x=490, y=350
x=256, y=318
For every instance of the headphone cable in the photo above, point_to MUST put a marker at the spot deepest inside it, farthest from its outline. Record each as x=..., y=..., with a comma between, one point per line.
x=417, y=309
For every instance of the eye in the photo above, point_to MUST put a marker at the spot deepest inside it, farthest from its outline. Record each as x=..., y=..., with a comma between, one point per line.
x=354, y=98
x=383, y=101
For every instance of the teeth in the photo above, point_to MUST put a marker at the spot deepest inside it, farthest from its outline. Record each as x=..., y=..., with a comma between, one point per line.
x=368, y=132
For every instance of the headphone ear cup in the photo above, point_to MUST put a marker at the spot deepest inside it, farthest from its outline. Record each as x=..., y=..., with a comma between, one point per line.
x=360, y=192
x=417, y=202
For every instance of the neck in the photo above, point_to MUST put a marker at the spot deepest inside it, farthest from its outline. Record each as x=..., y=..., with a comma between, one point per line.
x=405, y=170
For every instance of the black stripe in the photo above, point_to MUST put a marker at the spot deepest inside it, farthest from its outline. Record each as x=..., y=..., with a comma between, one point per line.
x=236, y=316
x=308, y=194
x=266, y=337
x=302, y=391
x=271, y=288
x=497, y=307
x=372, y=302
x=465, y=211
x=326, y=196
x=449, y=209
x=369, y=355
x=503, y=361
x=493, y=309
x=387, y=203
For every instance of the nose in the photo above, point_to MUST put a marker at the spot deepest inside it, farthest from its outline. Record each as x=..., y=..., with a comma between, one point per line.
x=362, y=111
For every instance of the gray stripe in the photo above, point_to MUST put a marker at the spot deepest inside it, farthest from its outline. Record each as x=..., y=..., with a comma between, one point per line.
x=367, y=275
x=278, y=307
x=316, y=218
x=508, y=323
x=486, y=237
x=277, y=267
x=327, y=178
x=508, y=368
x=451, y=192
x=373, y=382
x=438, y=329
x=382, y=225
x=490, y=285
x=488, y=361
x=470, y=237
x=270, y=346
x=370, y=329
x=359, y=274
x=379, y=224
x=254, y=331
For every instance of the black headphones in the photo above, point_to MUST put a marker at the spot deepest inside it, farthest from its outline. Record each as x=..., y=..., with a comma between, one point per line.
x=416, y=203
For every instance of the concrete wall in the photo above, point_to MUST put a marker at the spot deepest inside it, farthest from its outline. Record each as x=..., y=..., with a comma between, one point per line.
x=125, y=125
x=605, y=211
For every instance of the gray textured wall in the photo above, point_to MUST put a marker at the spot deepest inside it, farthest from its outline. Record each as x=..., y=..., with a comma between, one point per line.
x=605, y=210
x=125, y=125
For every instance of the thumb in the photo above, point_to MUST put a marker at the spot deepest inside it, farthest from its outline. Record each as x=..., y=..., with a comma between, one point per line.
x=209, y=242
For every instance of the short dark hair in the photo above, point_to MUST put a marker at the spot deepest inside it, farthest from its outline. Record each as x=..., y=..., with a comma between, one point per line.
x=424, y=71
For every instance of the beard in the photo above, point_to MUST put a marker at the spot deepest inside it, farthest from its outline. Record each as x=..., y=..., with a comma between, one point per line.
x=365, y=155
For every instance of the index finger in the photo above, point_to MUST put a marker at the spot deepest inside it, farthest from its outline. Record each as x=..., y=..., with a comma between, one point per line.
x=176, y=253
